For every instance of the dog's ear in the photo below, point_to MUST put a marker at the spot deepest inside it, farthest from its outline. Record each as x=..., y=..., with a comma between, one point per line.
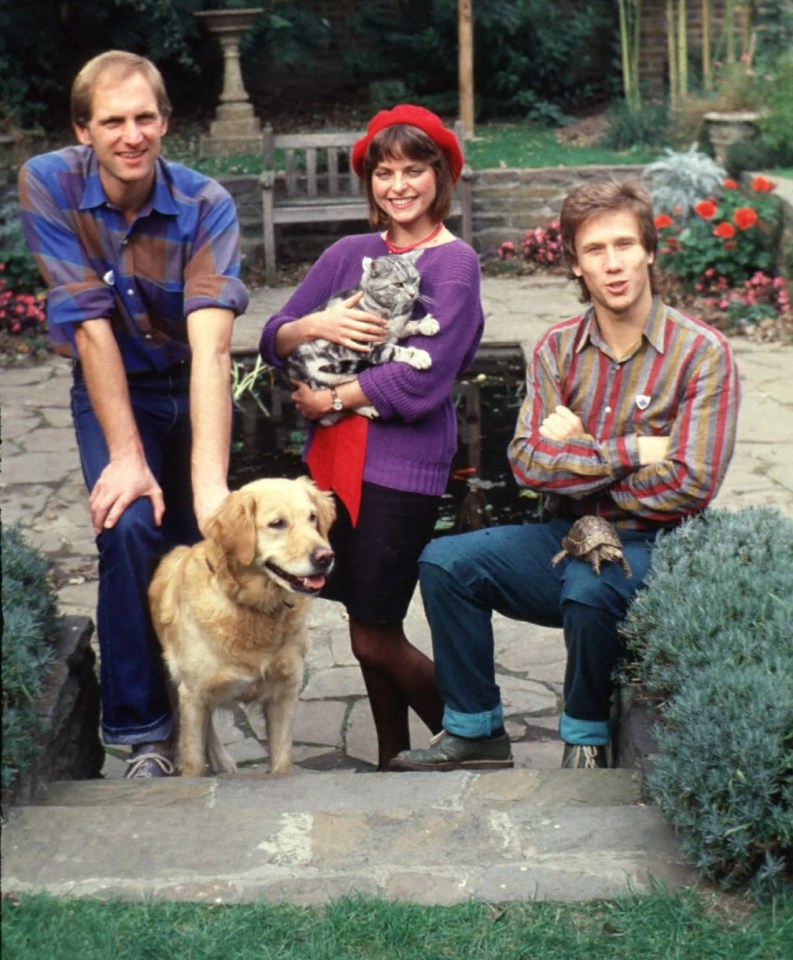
x=233, y=526
x=325, y=504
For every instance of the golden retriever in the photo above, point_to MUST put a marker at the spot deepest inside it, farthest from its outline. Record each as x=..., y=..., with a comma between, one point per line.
x=230, y=613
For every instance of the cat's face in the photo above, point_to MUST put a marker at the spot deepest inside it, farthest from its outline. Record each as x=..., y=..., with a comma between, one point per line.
x=392, y=280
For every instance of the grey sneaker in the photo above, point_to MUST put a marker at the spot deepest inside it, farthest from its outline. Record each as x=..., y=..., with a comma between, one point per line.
x=576, y=757
x=447, y=752
x=149, y=760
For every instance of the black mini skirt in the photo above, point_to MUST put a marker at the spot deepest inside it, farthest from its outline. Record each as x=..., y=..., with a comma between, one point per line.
x=376, y=566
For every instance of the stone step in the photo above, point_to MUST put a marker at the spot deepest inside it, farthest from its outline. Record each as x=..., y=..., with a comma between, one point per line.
x=431, y=838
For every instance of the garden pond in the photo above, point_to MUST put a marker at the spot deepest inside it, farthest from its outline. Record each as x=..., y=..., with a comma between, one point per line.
x=269, y=436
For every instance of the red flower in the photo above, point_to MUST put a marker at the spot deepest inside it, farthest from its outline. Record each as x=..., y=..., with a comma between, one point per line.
x=663, y=220
x=724, y=230
x=706, y=209
x=761, y=185
x=744, y=217
x=730, y=185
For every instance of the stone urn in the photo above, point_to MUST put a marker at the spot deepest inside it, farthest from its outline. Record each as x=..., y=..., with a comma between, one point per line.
x=235, y=129
x=727, y=127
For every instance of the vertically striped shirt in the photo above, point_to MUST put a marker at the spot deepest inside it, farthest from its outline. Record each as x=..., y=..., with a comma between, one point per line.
x=681, y=382
x=181, y=253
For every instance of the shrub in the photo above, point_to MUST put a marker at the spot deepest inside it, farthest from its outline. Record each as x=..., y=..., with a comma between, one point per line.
x=710, y=640
x=776, y=122
x=29, y=616
x=627, y=129
x=21, y=273
x=732, y=236
x=678, y=180
x=541, y=246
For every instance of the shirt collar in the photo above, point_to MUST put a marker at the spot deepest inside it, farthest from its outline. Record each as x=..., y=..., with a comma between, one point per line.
x=162, y=199
x=653, y=330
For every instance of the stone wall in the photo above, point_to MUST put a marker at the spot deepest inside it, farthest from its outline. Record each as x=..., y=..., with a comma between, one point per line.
x=506, y=203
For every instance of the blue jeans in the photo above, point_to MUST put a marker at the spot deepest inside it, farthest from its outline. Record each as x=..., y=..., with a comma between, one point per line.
x=508, y=569
x=135, y=704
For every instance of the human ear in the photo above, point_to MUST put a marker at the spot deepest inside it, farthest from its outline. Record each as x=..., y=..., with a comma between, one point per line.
x=83, y=134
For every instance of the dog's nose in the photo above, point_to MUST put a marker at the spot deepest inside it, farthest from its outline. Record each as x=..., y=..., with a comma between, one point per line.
x=322, y=557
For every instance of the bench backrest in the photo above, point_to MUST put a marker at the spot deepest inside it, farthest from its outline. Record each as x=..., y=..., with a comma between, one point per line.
x=316, y=164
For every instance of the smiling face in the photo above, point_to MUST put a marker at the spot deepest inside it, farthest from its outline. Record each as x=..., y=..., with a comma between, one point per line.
x=405, y=190
x=125, y=130
x=614, y=265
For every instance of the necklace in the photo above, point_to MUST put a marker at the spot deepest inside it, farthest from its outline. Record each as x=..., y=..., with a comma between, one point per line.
x=393, y=248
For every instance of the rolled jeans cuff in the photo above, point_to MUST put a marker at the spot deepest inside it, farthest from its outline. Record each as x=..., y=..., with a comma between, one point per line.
x=473, y=725
x=584, y=733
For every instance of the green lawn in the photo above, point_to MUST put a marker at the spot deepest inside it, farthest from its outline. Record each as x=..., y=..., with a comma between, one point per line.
x=679, y=926
x=494, y=145
x=521, y=145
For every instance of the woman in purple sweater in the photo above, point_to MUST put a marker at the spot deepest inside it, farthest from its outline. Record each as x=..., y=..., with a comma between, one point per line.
x=388, y=473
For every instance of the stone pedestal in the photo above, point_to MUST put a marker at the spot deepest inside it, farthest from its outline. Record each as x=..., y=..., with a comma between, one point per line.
x=235, y=129
x=726, y=128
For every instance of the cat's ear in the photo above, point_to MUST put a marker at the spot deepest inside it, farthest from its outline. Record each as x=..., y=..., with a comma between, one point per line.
x=366, y=263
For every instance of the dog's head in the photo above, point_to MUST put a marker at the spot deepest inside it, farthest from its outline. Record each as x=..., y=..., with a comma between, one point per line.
x=279, y=527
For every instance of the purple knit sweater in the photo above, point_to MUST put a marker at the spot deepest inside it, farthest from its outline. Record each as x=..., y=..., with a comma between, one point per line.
x=412, y=444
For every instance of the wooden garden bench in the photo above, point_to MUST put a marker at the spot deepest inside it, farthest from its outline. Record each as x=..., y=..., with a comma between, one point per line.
x=318, y=185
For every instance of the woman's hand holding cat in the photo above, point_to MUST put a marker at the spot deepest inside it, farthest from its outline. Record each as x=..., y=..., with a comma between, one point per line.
x=355, y=329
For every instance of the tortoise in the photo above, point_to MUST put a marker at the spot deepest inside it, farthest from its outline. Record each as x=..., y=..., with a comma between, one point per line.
x=595, y=540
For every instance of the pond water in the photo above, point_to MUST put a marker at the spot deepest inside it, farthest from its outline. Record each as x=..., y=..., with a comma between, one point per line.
x=269, y=436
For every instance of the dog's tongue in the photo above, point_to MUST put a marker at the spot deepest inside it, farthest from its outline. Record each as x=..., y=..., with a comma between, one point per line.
x=314, y=583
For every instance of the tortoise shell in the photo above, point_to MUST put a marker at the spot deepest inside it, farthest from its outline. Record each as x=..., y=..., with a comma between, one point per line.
x=595, y=540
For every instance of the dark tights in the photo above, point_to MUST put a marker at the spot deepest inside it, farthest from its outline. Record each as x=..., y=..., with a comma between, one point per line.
x=397, y=676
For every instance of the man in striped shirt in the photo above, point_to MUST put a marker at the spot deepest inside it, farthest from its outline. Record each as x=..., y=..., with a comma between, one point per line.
x=141, y=258
x=630, y=415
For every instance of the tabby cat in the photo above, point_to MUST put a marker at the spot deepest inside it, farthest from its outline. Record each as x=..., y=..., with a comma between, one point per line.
x=390, y=287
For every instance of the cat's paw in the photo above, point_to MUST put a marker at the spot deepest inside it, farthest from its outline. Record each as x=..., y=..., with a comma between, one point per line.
x=367, y=411
x=419, y=359
x=428, y=326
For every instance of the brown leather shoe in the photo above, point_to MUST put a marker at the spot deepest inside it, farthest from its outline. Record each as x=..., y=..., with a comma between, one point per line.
x=447, y=752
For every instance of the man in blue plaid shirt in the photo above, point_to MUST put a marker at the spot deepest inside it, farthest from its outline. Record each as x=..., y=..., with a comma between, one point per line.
x=141, y=258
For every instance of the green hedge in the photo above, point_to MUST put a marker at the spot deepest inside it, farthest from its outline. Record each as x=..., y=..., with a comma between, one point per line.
x=711, y=641
x=29, y=617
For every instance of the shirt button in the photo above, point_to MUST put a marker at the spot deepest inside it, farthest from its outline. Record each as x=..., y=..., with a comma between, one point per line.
x=131, y=292
x=147, y=336
x=124, y=242
x=608, y=409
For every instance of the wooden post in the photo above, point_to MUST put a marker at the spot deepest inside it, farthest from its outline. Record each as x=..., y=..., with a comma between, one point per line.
x=465, y=24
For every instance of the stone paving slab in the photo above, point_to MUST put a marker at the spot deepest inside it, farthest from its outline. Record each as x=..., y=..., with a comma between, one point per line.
x=430, y=838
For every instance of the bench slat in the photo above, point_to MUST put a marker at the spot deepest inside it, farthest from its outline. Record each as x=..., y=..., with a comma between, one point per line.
x=318, y=185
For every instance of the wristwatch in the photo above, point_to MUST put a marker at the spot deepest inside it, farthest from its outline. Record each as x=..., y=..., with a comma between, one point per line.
x=336, y=403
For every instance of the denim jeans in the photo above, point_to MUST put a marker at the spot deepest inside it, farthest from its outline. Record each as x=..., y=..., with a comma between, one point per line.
x=135, y=704
x=508, y=569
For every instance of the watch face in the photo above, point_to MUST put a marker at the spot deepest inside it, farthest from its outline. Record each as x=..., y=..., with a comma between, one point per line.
x=337, y=404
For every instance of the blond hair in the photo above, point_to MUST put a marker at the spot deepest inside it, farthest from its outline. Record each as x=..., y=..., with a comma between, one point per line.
x=121, y=65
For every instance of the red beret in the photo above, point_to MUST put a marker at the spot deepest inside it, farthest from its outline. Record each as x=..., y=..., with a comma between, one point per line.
x=412, y=116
